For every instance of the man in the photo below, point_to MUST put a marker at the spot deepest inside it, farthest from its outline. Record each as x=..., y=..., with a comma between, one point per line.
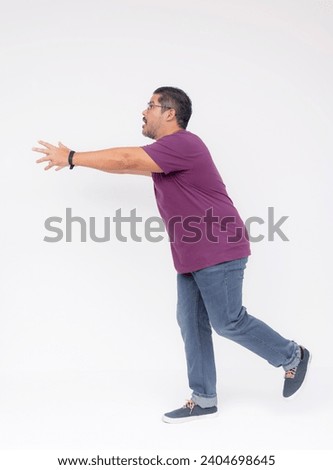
x=209, y=245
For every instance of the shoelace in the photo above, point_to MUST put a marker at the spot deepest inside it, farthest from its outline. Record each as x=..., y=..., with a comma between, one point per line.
x=189, y=404
x=290, y=374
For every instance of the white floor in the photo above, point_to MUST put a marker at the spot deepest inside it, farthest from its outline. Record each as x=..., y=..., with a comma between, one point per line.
x=119, y=410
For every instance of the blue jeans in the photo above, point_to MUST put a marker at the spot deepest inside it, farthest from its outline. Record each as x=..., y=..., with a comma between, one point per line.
x=212, y=298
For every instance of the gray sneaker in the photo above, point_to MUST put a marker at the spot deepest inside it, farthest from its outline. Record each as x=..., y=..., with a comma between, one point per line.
x=294, y=378
x=189, y=412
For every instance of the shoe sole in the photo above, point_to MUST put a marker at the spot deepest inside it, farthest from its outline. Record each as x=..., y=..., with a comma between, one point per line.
x=168, y=420
x=304, y=381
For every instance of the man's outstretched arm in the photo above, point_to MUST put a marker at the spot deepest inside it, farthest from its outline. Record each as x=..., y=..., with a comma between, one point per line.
x=130, y=160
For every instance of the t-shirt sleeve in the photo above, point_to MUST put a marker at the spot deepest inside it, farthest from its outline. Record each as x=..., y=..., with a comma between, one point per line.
x=170, y=155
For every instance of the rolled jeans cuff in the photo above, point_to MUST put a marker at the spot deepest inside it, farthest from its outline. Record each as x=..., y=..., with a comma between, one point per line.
x=295, y=360
x=204, y=402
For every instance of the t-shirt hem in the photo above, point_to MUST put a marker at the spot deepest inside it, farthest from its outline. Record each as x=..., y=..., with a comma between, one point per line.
x=224, y=259
x=157, y=160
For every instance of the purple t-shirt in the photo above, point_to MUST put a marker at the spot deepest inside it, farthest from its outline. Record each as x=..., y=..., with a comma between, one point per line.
x=203, y=225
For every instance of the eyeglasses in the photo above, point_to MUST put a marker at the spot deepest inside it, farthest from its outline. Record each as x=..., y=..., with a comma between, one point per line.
x=153, y=105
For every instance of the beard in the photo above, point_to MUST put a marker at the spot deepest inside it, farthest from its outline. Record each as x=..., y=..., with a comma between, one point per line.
x=148, y=132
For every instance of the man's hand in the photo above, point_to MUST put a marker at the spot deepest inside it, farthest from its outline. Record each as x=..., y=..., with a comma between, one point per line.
x=55, y=156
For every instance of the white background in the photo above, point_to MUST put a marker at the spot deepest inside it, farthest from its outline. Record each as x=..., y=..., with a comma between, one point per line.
x=90, y=353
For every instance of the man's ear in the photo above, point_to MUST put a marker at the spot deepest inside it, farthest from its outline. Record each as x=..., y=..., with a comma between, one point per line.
x=171, y=114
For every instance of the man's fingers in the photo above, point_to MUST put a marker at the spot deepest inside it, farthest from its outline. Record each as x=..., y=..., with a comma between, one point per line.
x=61, y=145
x=43, y=159
x=37, y=149
x=46, y=144
x=51, y=153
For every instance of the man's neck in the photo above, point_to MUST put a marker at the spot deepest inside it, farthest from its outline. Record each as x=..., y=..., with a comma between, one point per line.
x=169, y=132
